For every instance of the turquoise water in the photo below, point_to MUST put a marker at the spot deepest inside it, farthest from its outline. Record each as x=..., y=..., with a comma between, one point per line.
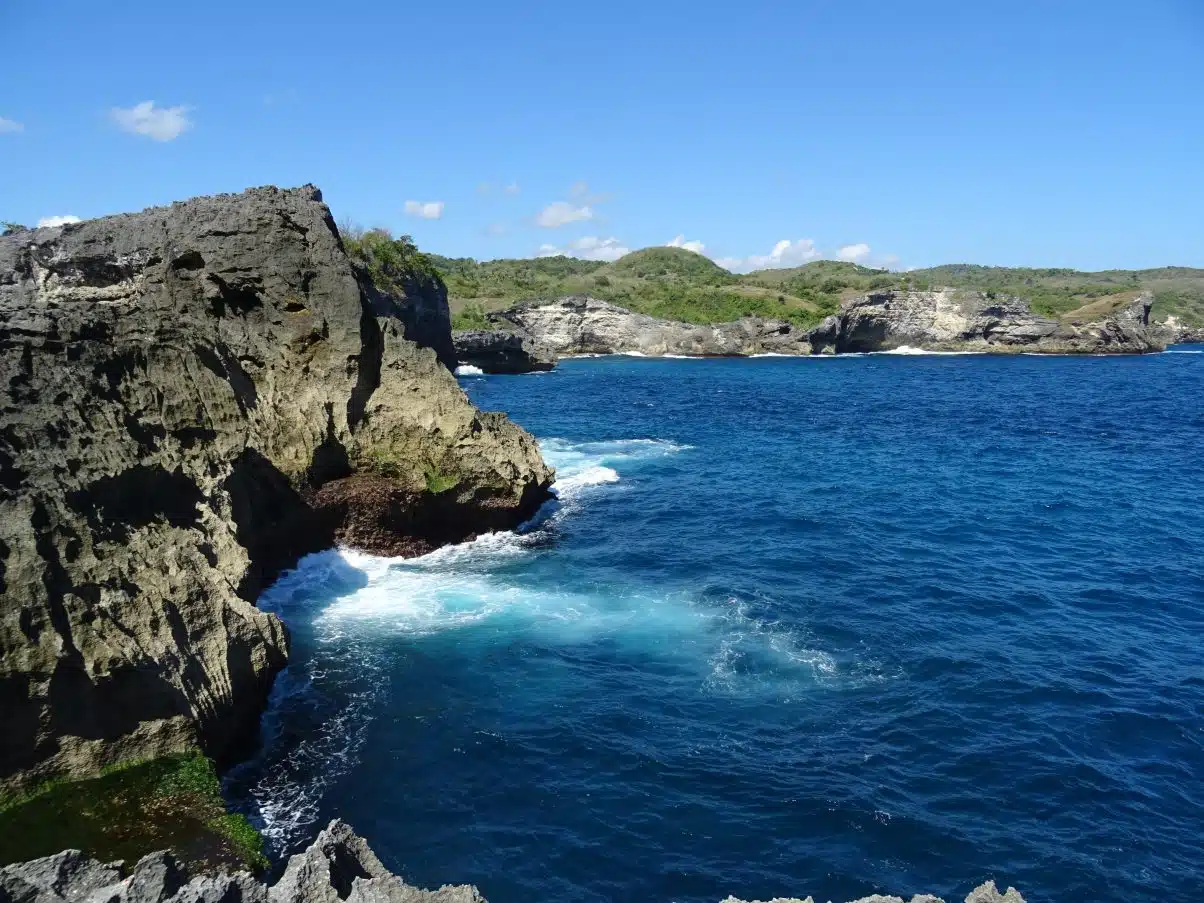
x=827, y=626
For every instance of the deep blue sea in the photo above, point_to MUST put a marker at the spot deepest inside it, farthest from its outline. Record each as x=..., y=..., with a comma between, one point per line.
x=821, y=626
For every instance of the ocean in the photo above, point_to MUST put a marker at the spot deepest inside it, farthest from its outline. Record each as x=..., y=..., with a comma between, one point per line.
x=893, y=623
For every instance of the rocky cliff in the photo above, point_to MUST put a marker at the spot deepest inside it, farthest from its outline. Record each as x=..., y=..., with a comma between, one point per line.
x=954, y=320
x=502, y=351
x=190, y=398
x=584, y=325
x=947, y=320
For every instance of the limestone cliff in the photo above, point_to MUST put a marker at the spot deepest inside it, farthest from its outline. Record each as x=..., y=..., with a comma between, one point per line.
x=338, y=865
x=946, y=320
x=190, y=398
x=584, y=325
x=953, y=320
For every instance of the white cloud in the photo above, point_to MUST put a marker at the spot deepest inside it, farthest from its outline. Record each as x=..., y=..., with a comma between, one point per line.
x=512, y=188
x=785, y=253
x=561, y=213
x=48, y=221
x=159, y=123
x=680, y=242
x=591, y=247
x=857, y=253
x=425, y=209
x=10, y=126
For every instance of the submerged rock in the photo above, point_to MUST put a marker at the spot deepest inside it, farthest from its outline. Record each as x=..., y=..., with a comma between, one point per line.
x=178, y=388
x=338, y=866
x=584, y=325
x=502, y=351
x=954, y=320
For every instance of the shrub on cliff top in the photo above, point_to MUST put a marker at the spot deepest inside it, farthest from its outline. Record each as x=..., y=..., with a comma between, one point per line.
x=393, y=263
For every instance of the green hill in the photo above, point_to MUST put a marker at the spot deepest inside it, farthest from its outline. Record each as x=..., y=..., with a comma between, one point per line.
x=681, y=285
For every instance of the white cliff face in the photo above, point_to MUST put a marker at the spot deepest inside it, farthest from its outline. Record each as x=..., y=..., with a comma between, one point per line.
x=944, y=320
x=583, y=325
x=954, y=320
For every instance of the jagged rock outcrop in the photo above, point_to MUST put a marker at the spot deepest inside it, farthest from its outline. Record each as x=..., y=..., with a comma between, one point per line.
x=1179, y=333
x=584, y=325
x=338, y=866
x=190, y=398
x=954, y=320
x=502, y=351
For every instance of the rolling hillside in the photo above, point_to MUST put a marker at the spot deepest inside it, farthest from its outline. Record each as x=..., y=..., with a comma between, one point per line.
x=681, y=285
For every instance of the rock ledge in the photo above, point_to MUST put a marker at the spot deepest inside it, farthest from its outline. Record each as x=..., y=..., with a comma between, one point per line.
x=338, y=865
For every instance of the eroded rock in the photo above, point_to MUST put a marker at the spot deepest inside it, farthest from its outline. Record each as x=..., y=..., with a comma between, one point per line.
x=338, y=866
x=584, y=325
x=955, y=320
x=177, y=387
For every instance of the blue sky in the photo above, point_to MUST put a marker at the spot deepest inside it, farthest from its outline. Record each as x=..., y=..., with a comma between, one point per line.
x=1053, y=133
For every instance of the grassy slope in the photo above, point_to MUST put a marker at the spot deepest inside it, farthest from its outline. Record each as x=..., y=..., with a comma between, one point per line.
x=680, y=285
x=133, y=809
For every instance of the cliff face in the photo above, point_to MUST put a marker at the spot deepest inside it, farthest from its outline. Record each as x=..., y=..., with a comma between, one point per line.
x=339, y=865
x=947, y=320
x=951, y=320
x=190, y=398
x=583, y=325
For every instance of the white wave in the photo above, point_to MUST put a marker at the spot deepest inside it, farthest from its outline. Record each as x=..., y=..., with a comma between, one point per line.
x=1184, y=351
x=469, y=370
x=632, y=354
x=350, y=599
x=776, y=354
x=909, y=349
x=591, y=476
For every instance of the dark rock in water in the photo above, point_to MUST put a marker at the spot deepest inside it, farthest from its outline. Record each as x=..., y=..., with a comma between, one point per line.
x=500, y=351
x=177, y=387
x=584, y=325
x=950, y=320
x=338, y=866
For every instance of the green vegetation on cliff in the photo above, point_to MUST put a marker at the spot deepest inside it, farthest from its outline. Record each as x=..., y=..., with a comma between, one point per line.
x=132, y=809
x=681, y=285
x=393, y=263
x=664, y=282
